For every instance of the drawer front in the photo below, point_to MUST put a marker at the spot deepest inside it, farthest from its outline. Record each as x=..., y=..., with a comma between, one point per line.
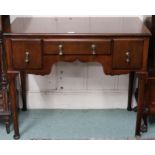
x=127, y=53
x=26, y=53
x=86, y=47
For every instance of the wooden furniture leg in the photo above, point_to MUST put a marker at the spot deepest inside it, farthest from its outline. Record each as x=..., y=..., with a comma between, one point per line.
x=140, y=107
x=7, y=124
x=130, y=90
x=23, y=90
x=144, y=126
x=12, y=79
x=145, y=123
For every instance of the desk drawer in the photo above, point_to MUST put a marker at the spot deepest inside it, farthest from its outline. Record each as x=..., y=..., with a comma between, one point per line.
x=27, y=53
x=127, y=53
x=84, y=47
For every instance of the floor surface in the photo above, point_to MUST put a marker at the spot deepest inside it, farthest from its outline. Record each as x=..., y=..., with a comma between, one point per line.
x=77, y=125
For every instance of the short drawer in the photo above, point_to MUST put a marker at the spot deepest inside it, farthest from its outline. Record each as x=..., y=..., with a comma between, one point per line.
x=127, y=53
x=26, y=53
x=85, y=47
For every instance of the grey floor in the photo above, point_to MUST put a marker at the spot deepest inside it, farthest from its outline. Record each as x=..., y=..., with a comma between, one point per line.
x=77, y=125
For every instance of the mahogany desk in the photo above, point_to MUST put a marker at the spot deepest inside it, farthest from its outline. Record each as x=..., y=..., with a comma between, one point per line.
x=33, y=45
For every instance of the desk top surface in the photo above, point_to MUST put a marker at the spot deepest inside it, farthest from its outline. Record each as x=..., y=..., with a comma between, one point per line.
x=129, y=26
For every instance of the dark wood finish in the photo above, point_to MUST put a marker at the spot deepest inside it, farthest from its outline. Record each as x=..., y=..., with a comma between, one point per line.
x=23, y=88
x=12, y=87
x=150, y=95
x=1, y=103
x=19, y=49
x=151, y=25
x=5, y=111
x=152, y=40
x=128, y=49
x=105, y=60
x=142, y=82
x=5, y=20
x=148, y=107
x=77, y=46
x=5, y=108
x=112, y=37
x=130, y=90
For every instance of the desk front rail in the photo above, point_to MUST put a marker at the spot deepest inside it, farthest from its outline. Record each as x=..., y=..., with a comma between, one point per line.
x=37, y=54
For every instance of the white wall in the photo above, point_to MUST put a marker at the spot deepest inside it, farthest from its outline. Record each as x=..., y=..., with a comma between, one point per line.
x=77, y=86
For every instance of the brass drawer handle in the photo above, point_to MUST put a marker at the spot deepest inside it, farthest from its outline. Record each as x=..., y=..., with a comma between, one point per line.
x=127, y=60
x=93, y=46
x=127, y=54
x=27, y=57
x=60, y=49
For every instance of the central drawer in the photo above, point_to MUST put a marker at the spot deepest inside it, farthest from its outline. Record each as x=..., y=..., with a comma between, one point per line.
x=77, y=46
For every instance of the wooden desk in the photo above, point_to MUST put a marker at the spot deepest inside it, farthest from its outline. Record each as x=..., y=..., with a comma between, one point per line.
x=34, y=44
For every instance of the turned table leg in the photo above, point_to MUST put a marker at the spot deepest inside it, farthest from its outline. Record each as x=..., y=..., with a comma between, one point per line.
x=130, y=90
x=12, y=79
x=23, y=89
x=140, y=107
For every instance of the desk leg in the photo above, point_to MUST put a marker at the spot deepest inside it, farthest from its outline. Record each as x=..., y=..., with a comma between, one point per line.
x=130, y=90
x=7, y=124
x=23, y=89
x=12, y=79
x=140, y=107
x=145, y=123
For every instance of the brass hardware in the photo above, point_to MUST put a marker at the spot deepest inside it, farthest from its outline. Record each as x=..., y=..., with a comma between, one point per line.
x=93, y=46
x=27, y=57
x=60, y=49
x=127, y=57
x=127, y=60
x=127, y=54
